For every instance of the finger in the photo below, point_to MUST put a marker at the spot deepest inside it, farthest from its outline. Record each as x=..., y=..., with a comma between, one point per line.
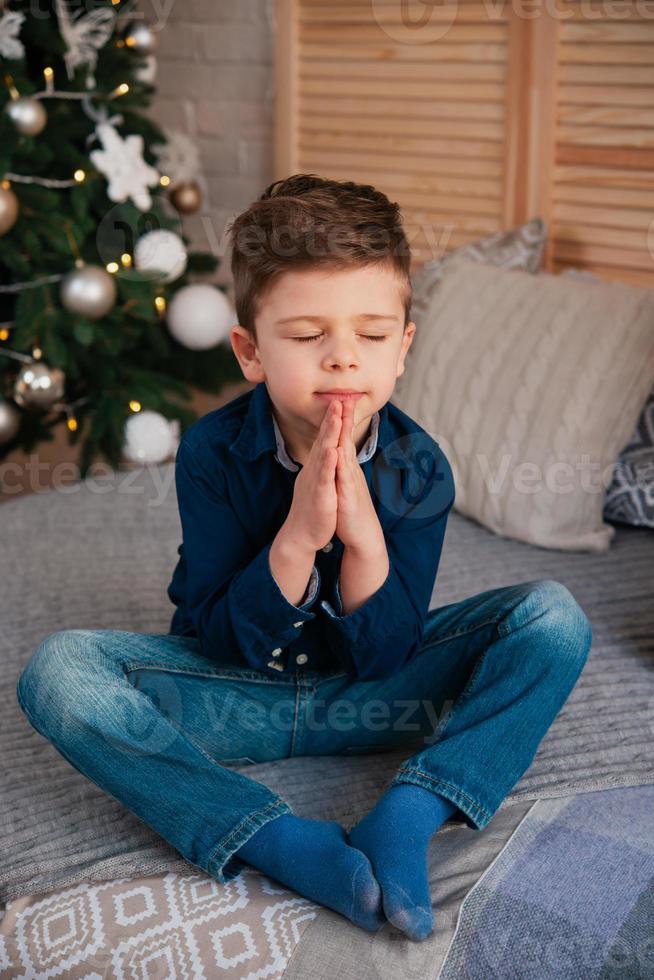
x=333, y=428
x=346, y=421
x=328, y=468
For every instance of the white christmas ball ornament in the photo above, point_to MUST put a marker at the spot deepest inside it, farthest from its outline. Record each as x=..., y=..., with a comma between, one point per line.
x=200, y=316
x=27, y=114
x=150, y=438
x=88, y=290
x=161, y=252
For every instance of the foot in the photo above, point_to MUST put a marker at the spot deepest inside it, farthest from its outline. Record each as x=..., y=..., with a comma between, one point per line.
x=314, y=858
x=395, y=835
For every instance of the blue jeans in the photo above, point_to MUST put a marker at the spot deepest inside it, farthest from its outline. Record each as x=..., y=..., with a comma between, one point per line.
x=150, y=719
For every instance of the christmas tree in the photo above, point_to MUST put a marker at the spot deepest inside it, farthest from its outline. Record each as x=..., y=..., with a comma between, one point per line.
x=104, y=319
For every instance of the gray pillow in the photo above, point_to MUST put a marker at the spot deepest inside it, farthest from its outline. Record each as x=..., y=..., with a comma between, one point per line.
x=629, y=498
x=518, y=248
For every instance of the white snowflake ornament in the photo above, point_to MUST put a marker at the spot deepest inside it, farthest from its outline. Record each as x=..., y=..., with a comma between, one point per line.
x=122, y=163
x=10, y=25
x=84, y=34
x=179, y=158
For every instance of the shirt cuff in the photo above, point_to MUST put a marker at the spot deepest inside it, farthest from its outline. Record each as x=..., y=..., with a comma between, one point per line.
x=375, y=618
x=311, y=590
x=266, y=620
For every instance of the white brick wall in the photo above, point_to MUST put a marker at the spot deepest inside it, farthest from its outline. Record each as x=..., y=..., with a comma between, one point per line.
x=215, y=82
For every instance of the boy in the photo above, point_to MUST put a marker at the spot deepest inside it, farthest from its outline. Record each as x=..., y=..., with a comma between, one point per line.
x=313, y=515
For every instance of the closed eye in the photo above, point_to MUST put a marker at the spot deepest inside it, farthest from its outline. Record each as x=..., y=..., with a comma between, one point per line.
x=306, y=340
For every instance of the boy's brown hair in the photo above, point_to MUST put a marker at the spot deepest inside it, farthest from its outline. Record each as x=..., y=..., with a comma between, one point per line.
x=305, y=221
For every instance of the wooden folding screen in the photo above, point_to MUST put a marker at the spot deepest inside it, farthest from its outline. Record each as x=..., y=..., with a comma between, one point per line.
x=476, y=116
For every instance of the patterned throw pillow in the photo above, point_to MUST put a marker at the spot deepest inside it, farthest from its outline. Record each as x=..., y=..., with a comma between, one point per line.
x=630, y=497
x=519, y=248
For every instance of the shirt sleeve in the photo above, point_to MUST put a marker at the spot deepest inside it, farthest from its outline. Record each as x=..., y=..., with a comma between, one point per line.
x=232, y=597
x=385, y=632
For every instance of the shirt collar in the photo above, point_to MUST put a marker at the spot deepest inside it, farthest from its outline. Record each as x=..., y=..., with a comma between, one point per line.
x=260, y=432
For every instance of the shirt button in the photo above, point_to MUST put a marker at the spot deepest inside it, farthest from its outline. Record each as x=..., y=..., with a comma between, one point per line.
x=301, y=658
x=277, y=651
x=328, y=546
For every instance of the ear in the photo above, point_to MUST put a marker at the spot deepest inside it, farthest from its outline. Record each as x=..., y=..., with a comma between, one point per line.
x=247, y=354
x=407, y=340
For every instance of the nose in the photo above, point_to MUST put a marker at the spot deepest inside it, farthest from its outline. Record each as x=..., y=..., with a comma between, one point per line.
x=341, y=352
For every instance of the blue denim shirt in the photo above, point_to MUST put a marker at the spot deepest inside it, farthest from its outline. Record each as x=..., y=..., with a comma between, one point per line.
x=234, y=482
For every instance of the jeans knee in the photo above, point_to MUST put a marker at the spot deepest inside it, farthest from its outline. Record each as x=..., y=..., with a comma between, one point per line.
x=47, y=671
x=552, y=606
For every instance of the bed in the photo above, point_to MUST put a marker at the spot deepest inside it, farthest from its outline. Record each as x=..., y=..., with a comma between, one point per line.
x=559, y=884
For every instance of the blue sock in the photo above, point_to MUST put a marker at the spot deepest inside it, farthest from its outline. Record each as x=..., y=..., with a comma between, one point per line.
x=395, y=836
x=314, y=858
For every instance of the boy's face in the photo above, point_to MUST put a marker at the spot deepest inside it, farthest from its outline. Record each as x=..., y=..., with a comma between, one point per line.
x=350, y=307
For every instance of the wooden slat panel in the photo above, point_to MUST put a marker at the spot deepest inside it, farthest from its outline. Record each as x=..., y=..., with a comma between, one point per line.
x=617, y=116
x=571, y=213
x=411, y=91
x=609, y=75
x=464, y=187
x=626, y=95
x=638, y=33
x=595, y=136
x=605, y=176
x=592, y=254
x=398, y=53
x=426, y=110
x=404, y=147
x=373, y=33
x=623, y=239
x=476, y=132
x=607, y=54
x=363, y=13
x=402, y=71
x=604, y=196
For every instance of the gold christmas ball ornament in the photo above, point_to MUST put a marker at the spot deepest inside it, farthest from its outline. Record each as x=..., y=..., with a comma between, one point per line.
x=9, y=421
x=9, y=209
x=27, y=114
x=38, y=385
x=141, y=38
x=88, y=290
x=186, y=197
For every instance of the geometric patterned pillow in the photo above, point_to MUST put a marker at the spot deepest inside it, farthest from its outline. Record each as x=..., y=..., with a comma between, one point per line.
x=630, y=497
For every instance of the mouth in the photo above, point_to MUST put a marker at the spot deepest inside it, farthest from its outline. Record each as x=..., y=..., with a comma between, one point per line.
x=340, y=393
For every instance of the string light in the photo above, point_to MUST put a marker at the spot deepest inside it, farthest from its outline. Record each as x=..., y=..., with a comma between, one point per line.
x=121, y=89
x=79, y=175
x=126, y=259
x=164, y=180
x=135, y=406
x=112, y=267
x=160, y=304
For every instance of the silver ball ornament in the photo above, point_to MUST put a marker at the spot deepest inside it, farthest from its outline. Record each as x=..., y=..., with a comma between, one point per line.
x=89, y=291
x=141, y=38
x=38, y=385
x=9, y=209
x=27, y=114
x=9, y=421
